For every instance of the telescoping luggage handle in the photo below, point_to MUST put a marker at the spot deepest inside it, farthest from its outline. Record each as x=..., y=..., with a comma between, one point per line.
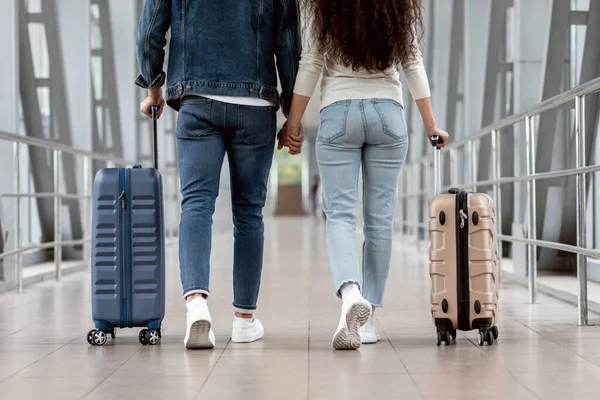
x=437, y=167
x=154, y=110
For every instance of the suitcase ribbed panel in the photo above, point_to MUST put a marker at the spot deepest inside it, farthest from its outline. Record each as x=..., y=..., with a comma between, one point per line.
x=106, y=274
x=147, y=242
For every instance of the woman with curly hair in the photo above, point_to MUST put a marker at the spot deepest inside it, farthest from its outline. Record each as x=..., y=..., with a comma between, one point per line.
x=359, y=46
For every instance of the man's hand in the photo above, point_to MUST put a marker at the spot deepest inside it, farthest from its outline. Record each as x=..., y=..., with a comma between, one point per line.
x=291, y=136
x=155, y=98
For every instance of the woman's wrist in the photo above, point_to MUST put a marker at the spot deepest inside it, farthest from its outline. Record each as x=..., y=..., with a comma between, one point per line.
x=431, y=127
x=293, y=122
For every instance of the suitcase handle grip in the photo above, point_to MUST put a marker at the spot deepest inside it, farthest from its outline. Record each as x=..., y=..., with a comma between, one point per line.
x=437, y=167
x=154, y=110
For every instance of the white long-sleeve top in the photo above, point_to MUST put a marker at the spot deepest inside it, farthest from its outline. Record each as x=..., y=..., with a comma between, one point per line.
x=342, y=83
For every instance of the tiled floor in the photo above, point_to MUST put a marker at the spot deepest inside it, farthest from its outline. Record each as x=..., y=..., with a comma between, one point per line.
x=540, y=353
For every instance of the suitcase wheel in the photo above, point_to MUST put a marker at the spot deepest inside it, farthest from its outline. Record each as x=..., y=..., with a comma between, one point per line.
x=149, y=336
x=96, y=337
x=495, y=332
x=445, y=336
x=143, y=337
x=480, y=338
x=488, y=336
x=90, y=337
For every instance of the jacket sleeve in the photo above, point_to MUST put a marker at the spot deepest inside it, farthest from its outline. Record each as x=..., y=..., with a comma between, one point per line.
x=150, y=42
x=288, y=47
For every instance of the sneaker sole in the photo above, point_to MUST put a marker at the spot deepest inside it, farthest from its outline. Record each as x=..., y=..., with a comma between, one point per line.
x=349, y=339
x=246, y=339
x=199, y=336
x=369, y=339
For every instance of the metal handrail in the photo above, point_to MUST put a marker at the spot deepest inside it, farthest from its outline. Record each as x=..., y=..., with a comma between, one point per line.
x=414, y=191
x=45, y=195
x=546, y=105
x=552, y=245
x=44, y=246
x=538, y=176
x=57, y=146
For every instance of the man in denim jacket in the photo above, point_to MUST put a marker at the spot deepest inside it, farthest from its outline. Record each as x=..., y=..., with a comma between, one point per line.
x=224, y=57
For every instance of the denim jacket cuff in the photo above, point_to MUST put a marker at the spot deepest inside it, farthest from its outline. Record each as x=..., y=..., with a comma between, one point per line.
x=286, y=105
x=158, y=82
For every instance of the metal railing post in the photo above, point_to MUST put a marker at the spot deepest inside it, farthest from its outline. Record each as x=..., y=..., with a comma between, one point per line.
x=497, y=174
x=453, y=167
x=415, y=200
x=582, y=297
x=472, y=164
x=409, y=203
x=57, y=215
x=418, y=201
x=17, y=228
x=531, y=209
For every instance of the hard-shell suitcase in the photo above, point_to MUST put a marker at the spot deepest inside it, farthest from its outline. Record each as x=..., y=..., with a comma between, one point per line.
x=128, y=251
x=463, y=257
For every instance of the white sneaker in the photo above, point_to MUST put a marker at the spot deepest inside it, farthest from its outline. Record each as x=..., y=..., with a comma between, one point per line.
x=246, y=330
x=198, y=333
x=368, y=333
x=356, y=311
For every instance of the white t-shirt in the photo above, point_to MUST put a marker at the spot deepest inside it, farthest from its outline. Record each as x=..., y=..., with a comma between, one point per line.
x=242, y=101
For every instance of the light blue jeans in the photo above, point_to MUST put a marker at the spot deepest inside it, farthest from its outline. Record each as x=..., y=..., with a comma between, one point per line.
x=370, y=133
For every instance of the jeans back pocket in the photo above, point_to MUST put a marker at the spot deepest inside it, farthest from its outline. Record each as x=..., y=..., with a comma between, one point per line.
x=256, y=125
x=391, y=114
x=194, y=119
x=333, y=121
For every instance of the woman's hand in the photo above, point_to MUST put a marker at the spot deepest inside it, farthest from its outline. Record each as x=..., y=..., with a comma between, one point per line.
x=442, y=134
x=155, y=98
x=292, y=137
x=426, y=112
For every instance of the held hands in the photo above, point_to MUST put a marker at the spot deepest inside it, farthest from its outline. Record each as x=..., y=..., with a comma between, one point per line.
x=292, y=137
x=442, y=134
x=155, y=98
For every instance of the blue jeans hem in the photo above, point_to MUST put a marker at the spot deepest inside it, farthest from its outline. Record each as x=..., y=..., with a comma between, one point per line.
x=241, y=309
x=338, y=292
x=196, y=289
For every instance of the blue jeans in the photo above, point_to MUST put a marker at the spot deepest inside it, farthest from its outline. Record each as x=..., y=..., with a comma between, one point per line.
x=372, y=134
x=206, y=131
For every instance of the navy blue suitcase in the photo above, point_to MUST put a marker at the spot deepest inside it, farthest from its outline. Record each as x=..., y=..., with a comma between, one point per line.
x=128, y=252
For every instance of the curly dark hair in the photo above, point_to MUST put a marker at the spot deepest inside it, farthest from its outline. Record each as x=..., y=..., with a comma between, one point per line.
x=366, y=34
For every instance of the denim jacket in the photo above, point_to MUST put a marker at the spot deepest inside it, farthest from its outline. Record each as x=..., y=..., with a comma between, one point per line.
x=221, y=47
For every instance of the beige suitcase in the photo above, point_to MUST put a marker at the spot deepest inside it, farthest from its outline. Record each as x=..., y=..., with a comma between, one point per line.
x=463, y=257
